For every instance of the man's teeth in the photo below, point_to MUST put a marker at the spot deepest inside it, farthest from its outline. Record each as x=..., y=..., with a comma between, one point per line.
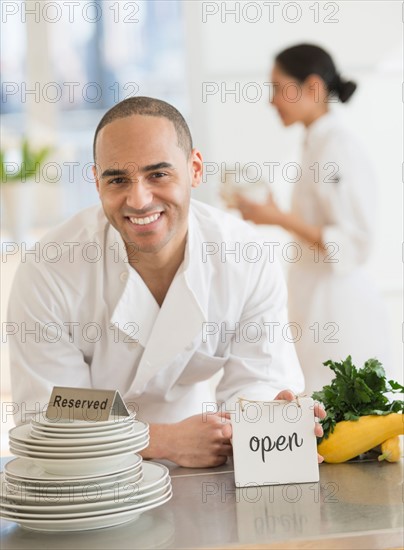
x=145, y=221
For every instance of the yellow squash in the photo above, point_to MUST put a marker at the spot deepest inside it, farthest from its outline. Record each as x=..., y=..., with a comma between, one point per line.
x=354, y=437
x=391, y=450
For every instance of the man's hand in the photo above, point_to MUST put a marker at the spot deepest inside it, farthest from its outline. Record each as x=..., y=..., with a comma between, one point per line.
x=200, y=441
x=203, y=440
x=319, y=412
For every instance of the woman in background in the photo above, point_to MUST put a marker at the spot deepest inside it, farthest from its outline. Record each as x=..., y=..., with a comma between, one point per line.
x=332, y=218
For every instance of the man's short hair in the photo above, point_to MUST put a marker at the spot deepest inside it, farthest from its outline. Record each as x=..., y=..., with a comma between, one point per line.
x=148, y=106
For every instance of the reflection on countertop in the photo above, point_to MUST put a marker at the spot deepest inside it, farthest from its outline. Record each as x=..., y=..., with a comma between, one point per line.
x=361, y=501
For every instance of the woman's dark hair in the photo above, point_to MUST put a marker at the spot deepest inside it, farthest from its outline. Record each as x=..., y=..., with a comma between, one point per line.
x=305, y=59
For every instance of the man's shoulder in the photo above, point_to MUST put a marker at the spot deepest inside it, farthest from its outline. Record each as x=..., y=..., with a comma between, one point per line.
x=85, y=226
x=217, y=224
x=235, y=252
x=67, y=259
x=78, y=241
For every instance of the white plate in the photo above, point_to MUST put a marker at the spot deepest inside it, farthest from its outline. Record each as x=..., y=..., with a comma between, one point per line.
x=85, y=466
x=51, y=433
x=153, y=473
x=111, y=435
x=71, y=450
x=106, y=500
x=26, y=470
x=84, y=524
x=83, y=510
x=23, y=434
x=41, y=420
x=71, y=492
x=79, y=508
x=64, y=488
x=154, y=476
x=78, y=452
x=72, y=458
x=20, y=450
x=68, y=511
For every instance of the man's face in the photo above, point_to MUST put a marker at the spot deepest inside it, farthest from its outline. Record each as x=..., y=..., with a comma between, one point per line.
x=144, y=180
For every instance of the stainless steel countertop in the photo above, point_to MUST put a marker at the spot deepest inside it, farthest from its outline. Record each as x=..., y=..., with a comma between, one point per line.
x=363, y=499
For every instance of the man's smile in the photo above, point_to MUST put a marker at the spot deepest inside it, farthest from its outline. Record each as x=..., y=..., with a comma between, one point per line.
x=145, y=220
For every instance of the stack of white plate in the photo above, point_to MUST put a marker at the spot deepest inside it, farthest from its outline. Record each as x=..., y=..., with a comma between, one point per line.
x=93, y=447
x=80, y=475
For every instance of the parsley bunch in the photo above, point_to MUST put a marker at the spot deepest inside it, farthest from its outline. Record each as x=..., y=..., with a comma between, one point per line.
x=357, y=392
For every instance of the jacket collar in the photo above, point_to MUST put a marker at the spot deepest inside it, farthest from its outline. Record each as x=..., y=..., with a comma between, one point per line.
x=316, y=131
x=167, y=331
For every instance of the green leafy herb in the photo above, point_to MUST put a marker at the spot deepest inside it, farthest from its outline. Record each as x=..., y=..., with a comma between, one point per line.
x=357, y=392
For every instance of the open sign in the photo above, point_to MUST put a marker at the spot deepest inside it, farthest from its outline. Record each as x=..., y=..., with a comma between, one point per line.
x=273, y=449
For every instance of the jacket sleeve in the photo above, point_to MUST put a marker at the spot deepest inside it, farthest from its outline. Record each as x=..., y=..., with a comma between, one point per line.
x=262, y=359
x=43, y=350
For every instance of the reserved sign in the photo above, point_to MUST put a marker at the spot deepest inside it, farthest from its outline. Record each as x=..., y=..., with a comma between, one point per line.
x=85, y=404
x=274, y=442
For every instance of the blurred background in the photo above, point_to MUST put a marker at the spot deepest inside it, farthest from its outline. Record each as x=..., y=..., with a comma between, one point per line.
x=63, y=64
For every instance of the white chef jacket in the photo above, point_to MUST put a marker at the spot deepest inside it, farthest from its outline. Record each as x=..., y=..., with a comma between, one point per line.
x=96, y=324
x=331, y=296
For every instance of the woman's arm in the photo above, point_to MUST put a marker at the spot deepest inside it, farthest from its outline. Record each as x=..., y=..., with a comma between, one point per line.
x=270, y=214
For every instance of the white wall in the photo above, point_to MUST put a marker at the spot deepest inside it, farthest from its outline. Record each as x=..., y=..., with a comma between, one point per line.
x=366, y=44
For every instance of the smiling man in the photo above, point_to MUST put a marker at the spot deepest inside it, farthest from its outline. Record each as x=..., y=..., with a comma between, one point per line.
x=145, y=169
x=143, y=299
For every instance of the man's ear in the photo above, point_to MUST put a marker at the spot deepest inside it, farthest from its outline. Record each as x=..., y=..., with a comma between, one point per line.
x=196, y=162
x=97, y=183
